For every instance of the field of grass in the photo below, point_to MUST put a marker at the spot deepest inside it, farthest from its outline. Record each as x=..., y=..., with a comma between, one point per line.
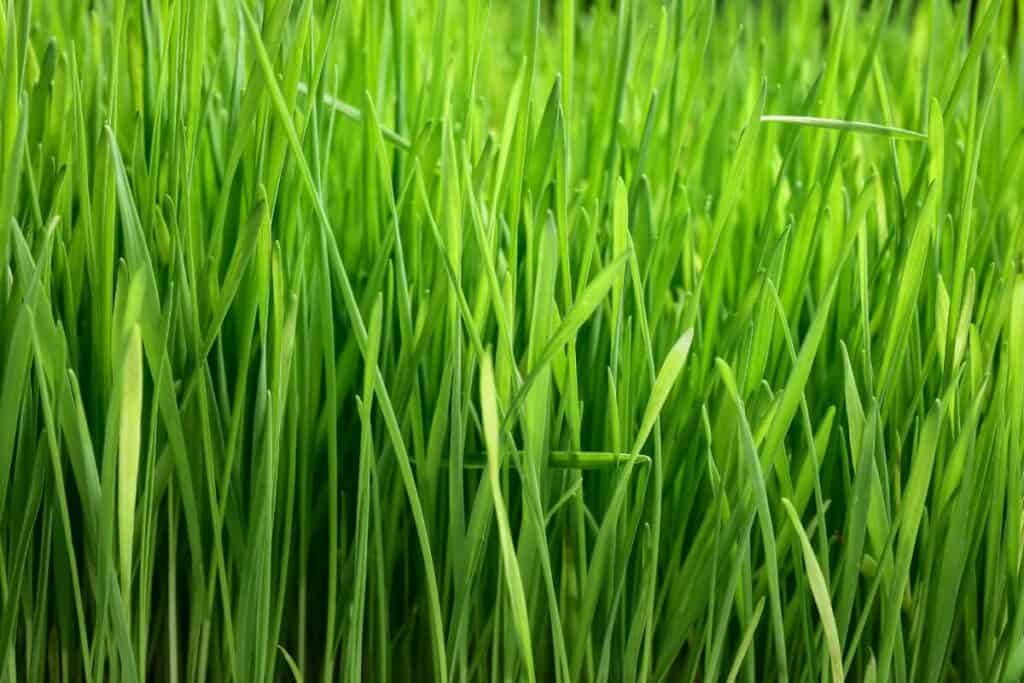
x=501, y=340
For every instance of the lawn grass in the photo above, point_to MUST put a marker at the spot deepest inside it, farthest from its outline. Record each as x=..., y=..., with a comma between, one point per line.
x=511, y=340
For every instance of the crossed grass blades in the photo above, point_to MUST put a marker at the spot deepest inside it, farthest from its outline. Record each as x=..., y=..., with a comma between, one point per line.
x=462, y=341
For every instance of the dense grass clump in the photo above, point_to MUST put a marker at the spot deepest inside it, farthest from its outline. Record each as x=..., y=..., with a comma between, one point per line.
x=477, y=340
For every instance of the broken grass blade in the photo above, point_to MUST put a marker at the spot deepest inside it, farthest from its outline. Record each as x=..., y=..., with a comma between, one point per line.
x=355, y=114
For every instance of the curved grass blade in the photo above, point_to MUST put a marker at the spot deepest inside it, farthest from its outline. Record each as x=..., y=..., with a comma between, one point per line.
x=763, y=515
x=581, y=310
x=851, y=126
x=819, y=590
x=510, y=563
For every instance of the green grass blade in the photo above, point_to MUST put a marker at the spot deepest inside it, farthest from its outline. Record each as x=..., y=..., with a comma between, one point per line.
x=850, y=126
x=819, y=589
x=514, y=582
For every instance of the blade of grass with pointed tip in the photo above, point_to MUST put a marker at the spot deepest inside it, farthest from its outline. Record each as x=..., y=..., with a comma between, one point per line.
x=510, y=563
x=128, y=454
x=907, y=290
x=668, y=374
x=753, y=463
x=584, y=306
x=819, y=589
x=911, y=512
x=745, y=641
x=366, y=466
x=240, y=260
x=840, y=124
